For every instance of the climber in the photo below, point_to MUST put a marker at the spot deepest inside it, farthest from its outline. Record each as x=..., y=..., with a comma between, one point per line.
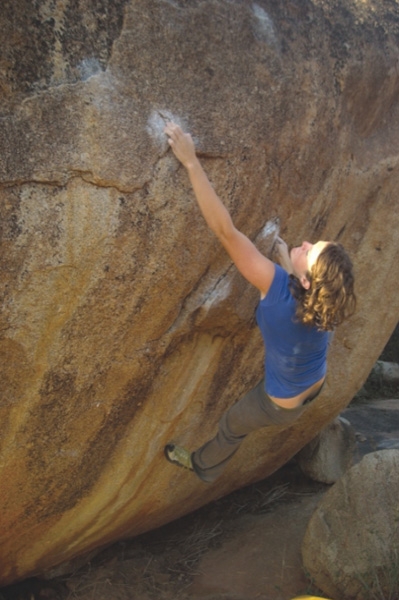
x=301, y=303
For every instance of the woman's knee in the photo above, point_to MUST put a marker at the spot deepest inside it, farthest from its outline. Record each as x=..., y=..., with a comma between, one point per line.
x=231, y=428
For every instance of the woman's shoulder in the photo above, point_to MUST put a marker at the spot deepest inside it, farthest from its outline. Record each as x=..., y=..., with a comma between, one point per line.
x=279, y=288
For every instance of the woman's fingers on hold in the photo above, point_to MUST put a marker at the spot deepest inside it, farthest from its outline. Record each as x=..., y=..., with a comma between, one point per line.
x=171, y=127
x=168, y=128
x=174, y=133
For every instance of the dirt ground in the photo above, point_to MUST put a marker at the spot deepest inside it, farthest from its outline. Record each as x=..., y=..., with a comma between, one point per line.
x=245, y=546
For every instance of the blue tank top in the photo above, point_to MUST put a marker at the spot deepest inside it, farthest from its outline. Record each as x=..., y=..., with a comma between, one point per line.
x=296, y=354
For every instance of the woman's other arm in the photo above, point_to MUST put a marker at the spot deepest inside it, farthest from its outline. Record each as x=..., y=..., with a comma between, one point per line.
x=283, y=255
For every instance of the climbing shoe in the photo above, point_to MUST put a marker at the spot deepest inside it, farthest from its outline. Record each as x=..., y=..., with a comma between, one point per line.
x=179, y=456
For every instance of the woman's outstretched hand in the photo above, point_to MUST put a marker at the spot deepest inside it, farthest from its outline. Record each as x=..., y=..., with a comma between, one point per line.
x=181, y=144
x=283, y=255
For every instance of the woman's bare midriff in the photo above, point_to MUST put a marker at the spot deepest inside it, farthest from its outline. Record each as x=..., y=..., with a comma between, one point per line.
x=298, y=400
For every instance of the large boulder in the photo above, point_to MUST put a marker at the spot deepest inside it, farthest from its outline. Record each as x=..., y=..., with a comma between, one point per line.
x=123, y=324
x=350, y=548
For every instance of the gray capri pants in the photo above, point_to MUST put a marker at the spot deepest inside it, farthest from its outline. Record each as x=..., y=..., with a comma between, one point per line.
x=254, y=411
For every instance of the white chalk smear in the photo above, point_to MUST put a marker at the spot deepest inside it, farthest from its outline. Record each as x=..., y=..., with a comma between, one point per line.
x=220, y=292
x=264, y=25
x=272, y=228
x=89, y=67
x=156, y=125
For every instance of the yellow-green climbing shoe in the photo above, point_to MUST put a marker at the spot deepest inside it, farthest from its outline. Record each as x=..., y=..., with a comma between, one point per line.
x=178, y=456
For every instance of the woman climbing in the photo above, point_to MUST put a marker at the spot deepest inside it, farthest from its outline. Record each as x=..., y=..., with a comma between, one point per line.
x=300, y=305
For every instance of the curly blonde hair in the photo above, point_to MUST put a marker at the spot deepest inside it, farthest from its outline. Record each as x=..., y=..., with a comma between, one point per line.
x=330, y=298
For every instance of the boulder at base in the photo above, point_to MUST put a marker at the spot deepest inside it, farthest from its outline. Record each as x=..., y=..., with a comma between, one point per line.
x=350, y=548
x=123, y=324
x=330, y=454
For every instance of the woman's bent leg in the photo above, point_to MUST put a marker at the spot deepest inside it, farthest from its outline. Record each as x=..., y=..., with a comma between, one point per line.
x=253, y=411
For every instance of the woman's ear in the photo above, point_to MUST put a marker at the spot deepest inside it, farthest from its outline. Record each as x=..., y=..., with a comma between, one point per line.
x=304, y=281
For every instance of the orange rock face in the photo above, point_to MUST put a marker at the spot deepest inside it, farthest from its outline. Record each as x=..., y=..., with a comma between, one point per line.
x=123, y=324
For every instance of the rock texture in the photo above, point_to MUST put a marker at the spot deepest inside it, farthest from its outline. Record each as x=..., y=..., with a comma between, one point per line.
x=350, y=545
x=376, y=424
x=123, y=325
x=387, y=372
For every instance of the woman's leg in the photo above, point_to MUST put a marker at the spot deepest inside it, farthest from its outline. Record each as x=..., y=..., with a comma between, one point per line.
x=254, y=411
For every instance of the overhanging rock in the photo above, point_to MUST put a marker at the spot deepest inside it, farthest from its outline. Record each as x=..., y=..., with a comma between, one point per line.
x=123, y=324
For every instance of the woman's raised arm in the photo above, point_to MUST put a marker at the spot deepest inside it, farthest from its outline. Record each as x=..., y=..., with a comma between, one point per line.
x=255, y=267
